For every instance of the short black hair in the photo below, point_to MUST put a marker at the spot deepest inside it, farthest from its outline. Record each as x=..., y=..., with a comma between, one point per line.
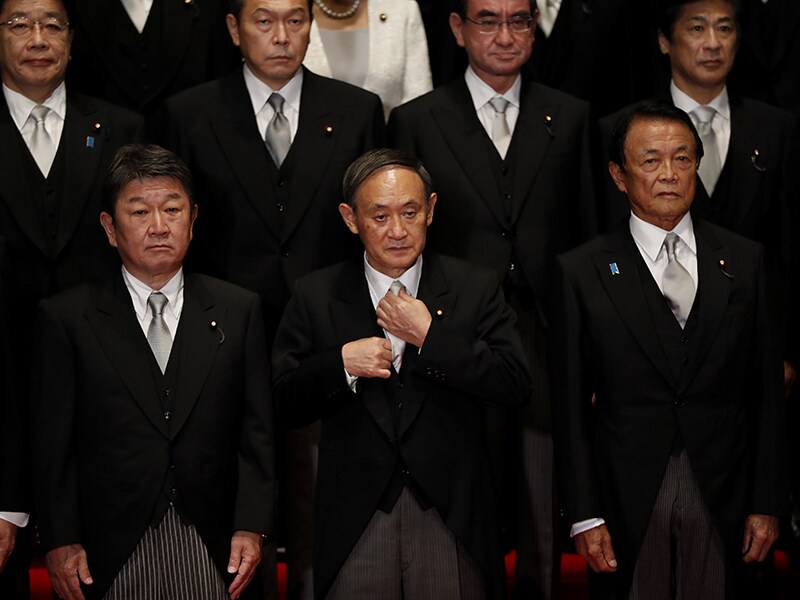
x=235, y=7
x=369, y=163
x=670, y=11
x=648, y=110
x=143, y=161
x=460, y=7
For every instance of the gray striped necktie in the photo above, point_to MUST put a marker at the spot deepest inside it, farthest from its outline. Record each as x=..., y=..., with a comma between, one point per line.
x=501, y=134
x=278, y=136
x=158, y=335
x=710, y=164
x=398, y=345
x=42, y=147
x=677, y=283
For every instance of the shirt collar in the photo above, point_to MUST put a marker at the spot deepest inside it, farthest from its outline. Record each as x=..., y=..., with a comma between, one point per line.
x=140, y=292
x=21, y=106
x=482, y=92
x=380, y=283
x=260, y=91
x=651, y=238
x=687, y=104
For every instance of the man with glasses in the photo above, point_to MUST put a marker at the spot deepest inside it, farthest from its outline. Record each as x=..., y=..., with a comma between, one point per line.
x=54, y=147
x=510, y=159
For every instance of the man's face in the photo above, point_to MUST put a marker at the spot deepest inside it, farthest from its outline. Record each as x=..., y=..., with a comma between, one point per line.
x=703, y=45
x=392, y=218
x=34, y=64
x=498, y=55
x=660, y=171
x=152, y=227
x=273, y=37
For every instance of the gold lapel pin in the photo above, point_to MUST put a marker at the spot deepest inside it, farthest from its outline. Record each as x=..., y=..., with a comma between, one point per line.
x=439, y=313
x=383, y=16
x=328, y=130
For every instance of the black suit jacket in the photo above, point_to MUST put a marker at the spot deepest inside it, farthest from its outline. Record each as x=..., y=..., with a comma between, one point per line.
x=194, y=47
x=553, y=199
x=728, y=407
x=241, y=235
x=102, y=445
x=471, y=356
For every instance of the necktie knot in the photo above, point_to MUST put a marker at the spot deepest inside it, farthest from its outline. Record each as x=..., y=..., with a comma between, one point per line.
x=397, y=287
x=156, y=301
x=499, y=105
x=39, y=113
x=276, y=102
x=669, y=243
x=704, y=115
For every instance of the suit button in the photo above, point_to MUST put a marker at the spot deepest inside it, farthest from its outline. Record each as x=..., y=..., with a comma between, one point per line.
x=684, y=340
x=281, y=182
x=406, y=472
x=172, y=491
x=512, y=267
x=167, y=391
x=504, y=170
x=400, y=406
x=285, y=254
x=685, y=361
x=429, y=371
x=400, y=385
x=507, y=196
x=167, y=415
x=172, y=467
x=280, y=207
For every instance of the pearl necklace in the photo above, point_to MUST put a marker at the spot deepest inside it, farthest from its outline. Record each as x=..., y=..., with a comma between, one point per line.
x=338, y=15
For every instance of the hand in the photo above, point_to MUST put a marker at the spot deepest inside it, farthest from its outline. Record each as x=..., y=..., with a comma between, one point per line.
x=368, y=357
x=760, y=532
x=595, y=546
x=245, y=556
x=789, y=376
x=404, y=317
x=68, y=567
x=8, y=537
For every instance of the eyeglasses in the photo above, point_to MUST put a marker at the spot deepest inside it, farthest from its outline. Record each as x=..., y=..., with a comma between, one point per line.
x=51, y=27
x=492, y=26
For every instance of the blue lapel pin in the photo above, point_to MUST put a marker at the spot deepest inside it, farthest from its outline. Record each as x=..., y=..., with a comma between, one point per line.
x=90, y=141
x=614, y=268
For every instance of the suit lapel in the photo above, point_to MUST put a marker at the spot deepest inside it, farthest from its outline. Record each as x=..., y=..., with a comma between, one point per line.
x=240, y=142
x=179, y=20
x=626, y=293
x=466, y=138
x=199, y=345
x=715, y=290
x=82, y=142
x=13, y=187
x=317, y=132
x=120, y=335
x=354, y=318
x=744, y=175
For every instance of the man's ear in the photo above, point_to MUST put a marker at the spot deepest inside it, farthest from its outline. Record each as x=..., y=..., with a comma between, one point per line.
x=663, y=43
x=107, y=221
x=431, y=204
x=349, y=217
x=617, y=174
x=233, y=28
x=456, y=23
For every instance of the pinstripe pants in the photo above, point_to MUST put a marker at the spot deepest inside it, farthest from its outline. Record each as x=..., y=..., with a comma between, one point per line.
x=170, y=563
x=682, y=555
x=408, y=554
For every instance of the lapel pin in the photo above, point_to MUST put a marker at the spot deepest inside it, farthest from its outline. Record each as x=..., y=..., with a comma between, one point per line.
x=439, y=313
x=614, y=268
x=383, y=16
x=548, y=124
x=214, y=326
x=755, y=158
x=90, y=141
x=723, y=267
x=328, y=130
x=97, y=126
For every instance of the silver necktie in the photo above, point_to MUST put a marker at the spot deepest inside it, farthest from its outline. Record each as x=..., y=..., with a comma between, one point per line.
x=398, y=345
x=710, y=164
x=158, y=335
x=677, y=283
x=278, y=135
x=501, y=134
x=42, y=147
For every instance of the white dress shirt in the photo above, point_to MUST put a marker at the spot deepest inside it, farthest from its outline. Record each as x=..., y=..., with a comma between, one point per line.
x=140, y=292
x=20, y=108
x=260, y=93
x=138, y=11
x=722, y=120
x=650, y=242
x=482, y=92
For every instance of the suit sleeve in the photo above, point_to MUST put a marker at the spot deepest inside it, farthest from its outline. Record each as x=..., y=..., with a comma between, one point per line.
x=255, y=496
x=572, y=404
x=52, y=424
x=486, y=361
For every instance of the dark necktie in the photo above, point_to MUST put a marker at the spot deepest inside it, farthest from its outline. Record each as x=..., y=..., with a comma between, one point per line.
x=278, y=136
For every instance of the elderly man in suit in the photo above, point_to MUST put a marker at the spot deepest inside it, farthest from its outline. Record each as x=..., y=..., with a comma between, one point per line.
x=396, y=352
x=152, y=422
x=668, y=387
x=55, y=145
x=269, y=145
x=512, y=165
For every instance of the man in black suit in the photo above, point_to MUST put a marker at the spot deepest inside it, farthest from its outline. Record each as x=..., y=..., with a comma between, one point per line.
x=397, y=352
x=514, y=186
x=152, y=418
x=137, y=53
x=54, y=146
x=668, y=387
x=269, y=185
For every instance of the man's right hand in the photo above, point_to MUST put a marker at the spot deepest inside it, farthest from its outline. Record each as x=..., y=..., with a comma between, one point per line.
x=8, y=537
x=595, y=546
x=368, y=357
x=68, y=567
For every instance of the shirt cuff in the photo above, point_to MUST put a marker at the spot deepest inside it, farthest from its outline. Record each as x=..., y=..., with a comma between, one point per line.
x=586, y=525
x=19, y=519
x=351, y=381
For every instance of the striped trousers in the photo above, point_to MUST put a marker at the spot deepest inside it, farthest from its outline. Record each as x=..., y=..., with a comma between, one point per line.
x=170, y=563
